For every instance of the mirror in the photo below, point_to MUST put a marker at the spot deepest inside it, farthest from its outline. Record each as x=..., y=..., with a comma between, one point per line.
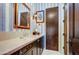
x=22, y=16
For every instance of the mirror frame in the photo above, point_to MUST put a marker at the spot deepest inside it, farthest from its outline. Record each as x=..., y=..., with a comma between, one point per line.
x=16, y=16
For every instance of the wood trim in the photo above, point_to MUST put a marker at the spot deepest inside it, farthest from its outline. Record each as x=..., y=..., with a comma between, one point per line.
x=23, y=27
x=16, y=14
x=65, y=27
x=73, y=20
x=65, y=30
x=16, y=17
x=15, y=11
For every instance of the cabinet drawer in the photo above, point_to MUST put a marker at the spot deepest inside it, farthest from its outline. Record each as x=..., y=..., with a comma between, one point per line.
x=29, y=52
x=26, y=48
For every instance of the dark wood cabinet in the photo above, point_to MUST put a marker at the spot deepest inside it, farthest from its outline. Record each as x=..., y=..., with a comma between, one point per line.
x=39, y=46
x=26, y=48
x=34, y=48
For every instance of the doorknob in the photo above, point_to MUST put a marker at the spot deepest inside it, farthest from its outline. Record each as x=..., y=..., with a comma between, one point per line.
x=63, y=47
x=64, y=34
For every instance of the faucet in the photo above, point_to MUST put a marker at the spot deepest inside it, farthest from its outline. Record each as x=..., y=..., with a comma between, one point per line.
x=24, y=34
x=21, y=37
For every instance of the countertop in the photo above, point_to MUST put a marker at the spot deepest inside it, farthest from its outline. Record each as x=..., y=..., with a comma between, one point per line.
x=12, y=45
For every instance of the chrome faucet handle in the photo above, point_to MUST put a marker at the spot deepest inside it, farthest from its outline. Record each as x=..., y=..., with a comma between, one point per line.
x=24, y=34
x=21, y=37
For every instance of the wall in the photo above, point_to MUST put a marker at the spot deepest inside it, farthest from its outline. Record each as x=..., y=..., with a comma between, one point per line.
x=9, y=35
x=2, y=17
x=61, y=28
x=8, y=21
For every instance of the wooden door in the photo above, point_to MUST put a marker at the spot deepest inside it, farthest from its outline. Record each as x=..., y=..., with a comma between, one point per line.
x=75, y=41
x=52, y=28
x=74, y=28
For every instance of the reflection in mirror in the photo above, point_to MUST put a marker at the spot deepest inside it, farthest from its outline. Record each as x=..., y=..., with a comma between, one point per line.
x=22, y=16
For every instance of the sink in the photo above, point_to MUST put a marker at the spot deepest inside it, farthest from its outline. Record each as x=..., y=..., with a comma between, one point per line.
x=25, y=37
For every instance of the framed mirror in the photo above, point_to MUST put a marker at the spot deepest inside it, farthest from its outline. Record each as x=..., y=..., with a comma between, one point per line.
x=22, y=16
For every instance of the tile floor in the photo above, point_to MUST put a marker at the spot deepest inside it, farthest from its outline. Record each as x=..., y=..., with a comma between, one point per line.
x=50, y=52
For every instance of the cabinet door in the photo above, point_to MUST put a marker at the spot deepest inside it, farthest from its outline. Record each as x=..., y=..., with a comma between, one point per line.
x=34, y=48
x=39, y=46
x=34, y=51
x=16, y=53
x=30, y=52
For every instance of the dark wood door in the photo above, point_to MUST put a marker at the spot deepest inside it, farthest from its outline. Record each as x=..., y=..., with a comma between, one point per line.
x=75, y=41
x=74, y=28
x=74, y=20
x=52, y=28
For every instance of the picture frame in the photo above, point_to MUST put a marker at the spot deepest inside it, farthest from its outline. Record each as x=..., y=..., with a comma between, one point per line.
x=40, y=16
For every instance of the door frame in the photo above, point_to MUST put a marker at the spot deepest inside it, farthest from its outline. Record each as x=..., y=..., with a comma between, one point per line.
x=66, y=29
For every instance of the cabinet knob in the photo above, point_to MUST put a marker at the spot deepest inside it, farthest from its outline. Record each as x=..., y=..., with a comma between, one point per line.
x=20, y=52
x=38, y=40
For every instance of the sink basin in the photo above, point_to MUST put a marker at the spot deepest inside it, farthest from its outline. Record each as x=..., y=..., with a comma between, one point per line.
x=25, y=37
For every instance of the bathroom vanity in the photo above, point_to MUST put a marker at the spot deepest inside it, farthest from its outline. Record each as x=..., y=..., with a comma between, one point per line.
x=32, y=45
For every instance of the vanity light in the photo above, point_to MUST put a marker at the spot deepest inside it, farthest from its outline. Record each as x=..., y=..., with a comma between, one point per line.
x=36, y=30
x=35, y=15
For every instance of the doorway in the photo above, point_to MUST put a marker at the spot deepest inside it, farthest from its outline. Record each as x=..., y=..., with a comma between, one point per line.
x=52, y=28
